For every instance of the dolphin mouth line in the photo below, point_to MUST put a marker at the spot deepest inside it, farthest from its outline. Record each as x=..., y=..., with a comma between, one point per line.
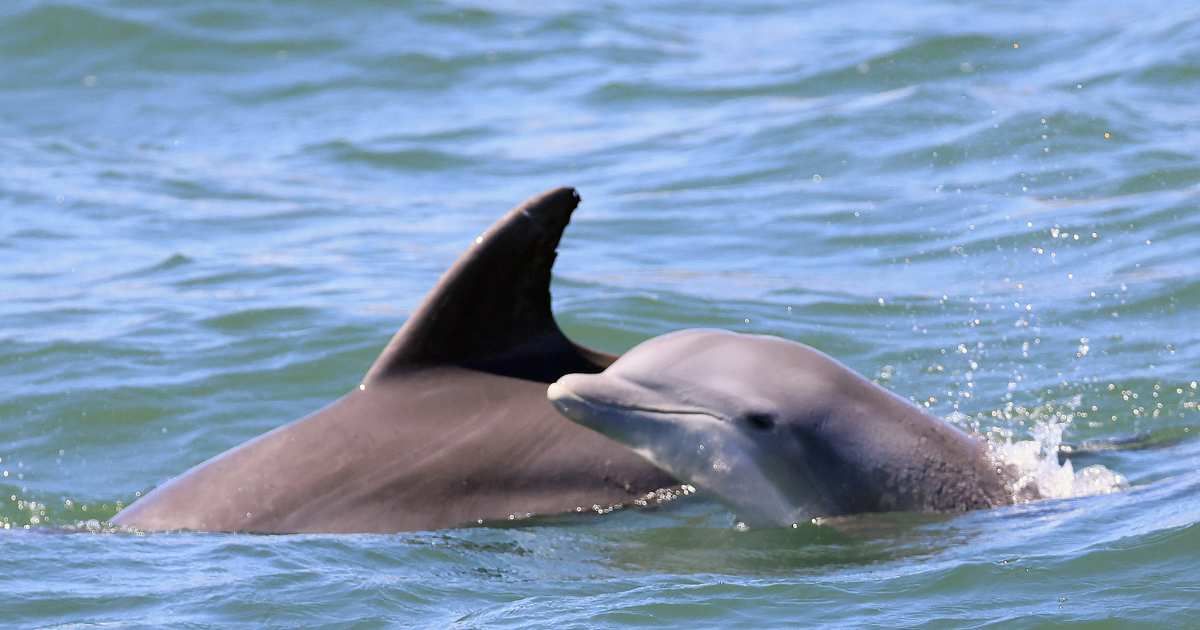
x=558, y=390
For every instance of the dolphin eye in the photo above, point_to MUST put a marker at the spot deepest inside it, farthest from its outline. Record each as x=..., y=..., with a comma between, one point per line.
x=762, y=421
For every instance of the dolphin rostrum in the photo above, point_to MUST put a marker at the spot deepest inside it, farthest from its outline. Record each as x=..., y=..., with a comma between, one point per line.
x=450, y=426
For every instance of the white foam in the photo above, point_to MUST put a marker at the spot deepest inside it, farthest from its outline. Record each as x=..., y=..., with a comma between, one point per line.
x=1038, y=475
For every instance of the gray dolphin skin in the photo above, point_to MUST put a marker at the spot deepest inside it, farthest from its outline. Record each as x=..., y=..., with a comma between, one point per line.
x=449, y=427
x=779, y=432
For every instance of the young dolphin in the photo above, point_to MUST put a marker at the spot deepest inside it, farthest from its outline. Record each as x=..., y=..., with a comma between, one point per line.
x=449, y=427
x=778, y=431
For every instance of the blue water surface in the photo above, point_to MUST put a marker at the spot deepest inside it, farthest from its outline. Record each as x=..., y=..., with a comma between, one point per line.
x=213, y=215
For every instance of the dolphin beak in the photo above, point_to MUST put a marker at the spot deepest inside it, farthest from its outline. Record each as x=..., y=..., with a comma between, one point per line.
x=567, y=402
x=611, y=405
x=581, y=401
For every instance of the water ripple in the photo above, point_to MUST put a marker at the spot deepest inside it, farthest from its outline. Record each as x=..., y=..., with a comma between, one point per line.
x=212, y=218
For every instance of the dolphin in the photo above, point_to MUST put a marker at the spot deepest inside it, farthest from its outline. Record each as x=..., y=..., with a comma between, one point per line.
x=780, y=432
x=449, y=427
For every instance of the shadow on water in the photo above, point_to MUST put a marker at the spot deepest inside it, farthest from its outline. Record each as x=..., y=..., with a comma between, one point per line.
x=844, y=542
x=695, y=535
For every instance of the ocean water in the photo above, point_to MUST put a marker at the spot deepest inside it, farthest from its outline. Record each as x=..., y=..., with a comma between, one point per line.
x=213, y=215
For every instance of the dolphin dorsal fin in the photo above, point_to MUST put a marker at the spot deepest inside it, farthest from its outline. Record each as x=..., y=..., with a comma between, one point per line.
x=491, y=310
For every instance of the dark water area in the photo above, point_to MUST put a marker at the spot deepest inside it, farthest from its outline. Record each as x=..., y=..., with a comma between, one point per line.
x=214, y=215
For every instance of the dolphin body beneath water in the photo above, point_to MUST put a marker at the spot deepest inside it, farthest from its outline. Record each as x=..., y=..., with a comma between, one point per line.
x=780, y=432
x=450, y=426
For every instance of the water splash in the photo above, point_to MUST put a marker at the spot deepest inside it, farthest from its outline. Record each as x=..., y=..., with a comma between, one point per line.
x=1037, y=472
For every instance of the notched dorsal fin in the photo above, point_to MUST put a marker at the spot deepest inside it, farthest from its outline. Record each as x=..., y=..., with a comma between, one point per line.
x=491, y=310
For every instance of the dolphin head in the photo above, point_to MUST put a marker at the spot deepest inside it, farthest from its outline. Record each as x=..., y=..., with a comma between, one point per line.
x=732, y=414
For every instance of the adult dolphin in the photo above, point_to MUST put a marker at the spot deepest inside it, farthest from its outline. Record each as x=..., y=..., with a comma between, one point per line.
x=779, y=432
x=450, y=426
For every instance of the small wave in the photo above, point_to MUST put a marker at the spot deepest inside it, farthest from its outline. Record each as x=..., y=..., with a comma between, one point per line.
x=257, y=319
x=39, y=234
x=48, y=28
x=174, y=261
x=401, y=158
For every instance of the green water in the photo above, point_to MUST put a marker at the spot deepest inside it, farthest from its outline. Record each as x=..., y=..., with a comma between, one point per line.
x=214, y=215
